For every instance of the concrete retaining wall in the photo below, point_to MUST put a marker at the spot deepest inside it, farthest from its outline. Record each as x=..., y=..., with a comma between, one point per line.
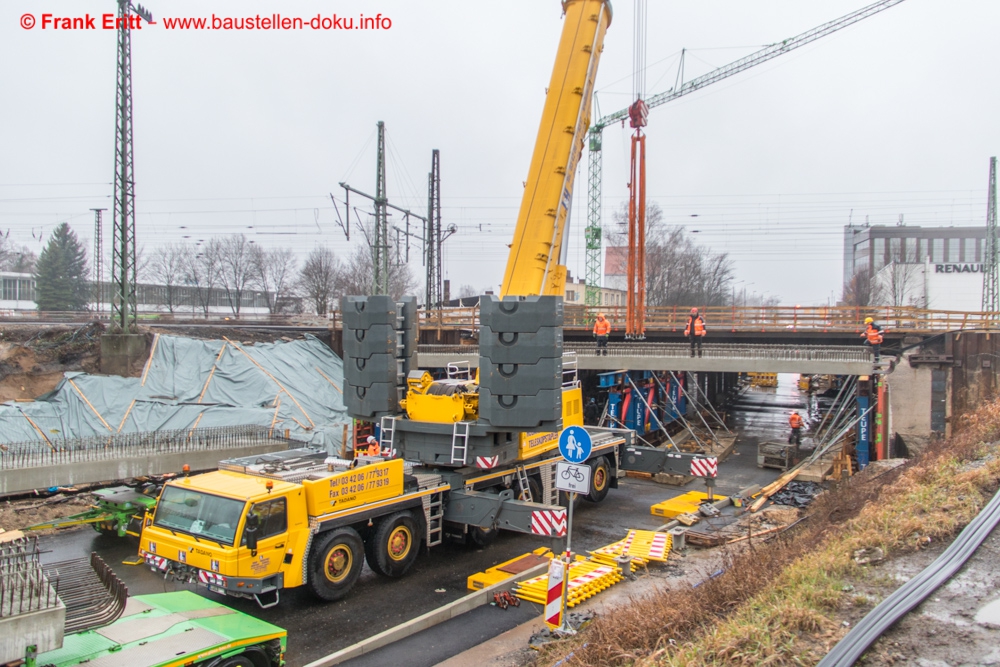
x=27, y=479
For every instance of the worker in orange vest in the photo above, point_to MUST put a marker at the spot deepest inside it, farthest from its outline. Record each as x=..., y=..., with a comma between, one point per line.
x=796, y=422
x=873, y=336
x=695, y=330
x=373, y=446
x=602, y=330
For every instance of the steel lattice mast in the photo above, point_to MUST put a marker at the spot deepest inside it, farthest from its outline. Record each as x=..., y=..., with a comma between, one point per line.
x=98, y=259
x=594, y=229
x=123, y=302
x=381, y=247
x=991, y=273
x=434, y=292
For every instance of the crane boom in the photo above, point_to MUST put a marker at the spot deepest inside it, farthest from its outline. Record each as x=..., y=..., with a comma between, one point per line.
x=593, y=232
x=536, y=263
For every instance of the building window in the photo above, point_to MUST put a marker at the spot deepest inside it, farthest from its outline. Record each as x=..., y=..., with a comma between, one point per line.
x=911, y=251
x=969, y=250
x=952, y=251
x=895, y=247
x=879, y=253
x=570, y=295
x=9, y=289
x=26, y=290
x=937, y=251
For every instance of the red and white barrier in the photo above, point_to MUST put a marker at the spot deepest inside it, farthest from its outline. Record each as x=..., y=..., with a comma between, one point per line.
x=706, y=467
x=553, y=598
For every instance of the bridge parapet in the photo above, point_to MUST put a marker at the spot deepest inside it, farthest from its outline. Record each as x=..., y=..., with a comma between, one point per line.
x=736, y=319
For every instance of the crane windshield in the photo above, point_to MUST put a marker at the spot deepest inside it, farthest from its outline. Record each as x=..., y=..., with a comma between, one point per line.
x=199, y=514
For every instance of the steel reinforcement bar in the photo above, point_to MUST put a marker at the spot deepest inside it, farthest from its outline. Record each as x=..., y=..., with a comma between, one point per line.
x=35, y=453
x=916, y=590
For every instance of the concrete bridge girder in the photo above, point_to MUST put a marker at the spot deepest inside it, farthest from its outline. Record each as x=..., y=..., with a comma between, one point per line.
x=838, y=360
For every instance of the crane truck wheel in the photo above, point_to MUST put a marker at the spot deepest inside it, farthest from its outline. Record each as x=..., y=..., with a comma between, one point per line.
x=238, y=661
x=335, y=563
x=600, y=479
x=482, y=537
x=393, y=545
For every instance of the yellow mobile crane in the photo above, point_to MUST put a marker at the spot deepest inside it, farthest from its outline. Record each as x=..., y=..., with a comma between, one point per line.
x=261, y=524
x=471, y=456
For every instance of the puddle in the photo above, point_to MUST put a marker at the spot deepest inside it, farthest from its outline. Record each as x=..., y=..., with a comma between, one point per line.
x=989, y=614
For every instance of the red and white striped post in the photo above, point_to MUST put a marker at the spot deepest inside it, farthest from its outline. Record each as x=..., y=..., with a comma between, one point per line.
x=554, y=595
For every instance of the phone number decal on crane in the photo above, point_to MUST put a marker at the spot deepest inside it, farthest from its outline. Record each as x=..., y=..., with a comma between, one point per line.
x=350, y=488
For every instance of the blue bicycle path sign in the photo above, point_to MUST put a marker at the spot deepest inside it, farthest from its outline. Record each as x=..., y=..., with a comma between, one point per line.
x=575, y=444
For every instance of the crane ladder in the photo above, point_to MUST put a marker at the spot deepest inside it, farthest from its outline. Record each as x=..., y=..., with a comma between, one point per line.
x=460, y=442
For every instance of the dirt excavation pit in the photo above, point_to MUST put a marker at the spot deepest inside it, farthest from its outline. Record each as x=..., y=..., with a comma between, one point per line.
x=33, y=359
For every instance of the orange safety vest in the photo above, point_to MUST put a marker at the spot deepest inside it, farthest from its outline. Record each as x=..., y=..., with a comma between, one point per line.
x=874, y=335
x=795, y=421
x=602, y=327
x=699, y=326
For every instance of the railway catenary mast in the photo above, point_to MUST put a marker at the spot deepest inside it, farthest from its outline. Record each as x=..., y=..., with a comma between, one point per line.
x=536, y=263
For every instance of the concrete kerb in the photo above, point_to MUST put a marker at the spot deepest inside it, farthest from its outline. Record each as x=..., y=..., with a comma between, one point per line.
x=428, y=620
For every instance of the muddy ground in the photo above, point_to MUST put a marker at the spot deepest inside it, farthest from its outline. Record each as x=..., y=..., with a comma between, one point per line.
x=959, y=624
x=24, y=512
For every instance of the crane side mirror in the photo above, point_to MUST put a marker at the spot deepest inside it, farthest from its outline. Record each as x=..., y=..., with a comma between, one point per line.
x=250, y=530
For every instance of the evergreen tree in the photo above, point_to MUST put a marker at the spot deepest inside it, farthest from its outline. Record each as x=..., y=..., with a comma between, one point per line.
x=61, y=274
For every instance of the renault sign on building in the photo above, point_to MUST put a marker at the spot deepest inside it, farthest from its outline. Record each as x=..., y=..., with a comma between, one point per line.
x=936, y=286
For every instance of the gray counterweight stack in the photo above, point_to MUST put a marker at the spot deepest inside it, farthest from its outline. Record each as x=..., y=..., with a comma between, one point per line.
x=520, y=364
x=380, y=337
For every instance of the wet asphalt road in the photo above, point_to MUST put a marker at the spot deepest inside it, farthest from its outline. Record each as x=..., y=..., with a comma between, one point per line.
x=318, y=628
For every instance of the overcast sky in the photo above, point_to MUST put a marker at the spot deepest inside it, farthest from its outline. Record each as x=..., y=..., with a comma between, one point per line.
x=249, y=131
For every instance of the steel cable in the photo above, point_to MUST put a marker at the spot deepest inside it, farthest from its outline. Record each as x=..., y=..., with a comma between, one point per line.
x=916, y=590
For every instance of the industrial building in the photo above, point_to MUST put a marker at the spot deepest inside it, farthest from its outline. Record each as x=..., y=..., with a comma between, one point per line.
x=876, y=246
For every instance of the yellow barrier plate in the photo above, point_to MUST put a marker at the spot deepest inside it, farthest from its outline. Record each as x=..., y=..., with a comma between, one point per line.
x=683, y=504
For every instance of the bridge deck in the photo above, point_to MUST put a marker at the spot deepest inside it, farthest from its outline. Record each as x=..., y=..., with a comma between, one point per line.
x=728, y=358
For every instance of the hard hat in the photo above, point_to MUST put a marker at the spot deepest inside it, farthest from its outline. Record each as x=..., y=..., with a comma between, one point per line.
x=868, y=320
x=371, y=439
x=600, y=316
x=694, y=311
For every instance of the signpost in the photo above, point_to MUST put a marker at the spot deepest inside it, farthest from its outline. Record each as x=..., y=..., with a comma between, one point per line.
x=573, y=477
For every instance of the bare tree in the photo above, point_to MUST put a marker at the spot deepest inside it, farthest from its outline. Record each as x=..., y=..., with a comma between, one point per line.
x=678, y=271
x=858, y=290
x=466, y=291
x=201, y=271
x=319, y=277
x=236, y=272
x=358, y=276
x=894, y=284
x=274, y=272
x=15, y=258
x=167, y=268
